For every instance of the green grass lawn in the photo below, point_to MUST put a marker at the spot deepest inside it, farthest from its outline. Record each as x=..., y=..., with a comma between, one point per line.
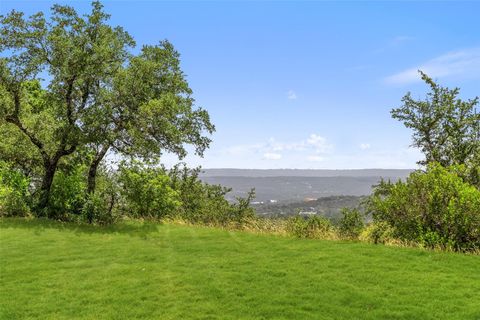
x=50, y=270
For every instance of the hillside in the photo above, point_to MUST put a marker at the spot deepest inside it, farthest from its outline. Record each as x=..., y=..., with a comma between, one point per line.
x=329, y=207
x=50, y=270
x=292, y=185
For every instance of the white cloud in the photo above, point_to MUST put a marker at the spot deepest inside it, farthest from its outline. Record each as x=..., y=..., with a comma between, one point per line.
x=319, y=143
x=274, y=145
x=272, y=156
x=315, y=158
x=314, y=143
x=291, y=95
x=365, y=146
x=463, y=63
x=302, y=155
x=272, y=149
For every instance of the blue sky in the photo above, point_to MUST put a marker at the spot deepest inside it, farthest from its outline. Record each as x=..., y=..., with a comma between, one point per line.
x=306, y=84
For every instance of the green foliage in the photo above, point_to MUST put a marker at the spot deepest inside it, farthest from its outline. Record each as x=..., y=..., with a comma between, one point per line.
x=98, y=209
x=204, y=203
x=435, y=208
x=241, y=211
x=96, y=95
x=79, y=55
x=445, y=128
x=378, y=232
x=67, y=194
x=14, y=195
x=147, y=191
x=152, y=107
x=441, y=206
x=310, y=227
x=16, y=150
x=102, y=205
x=351, y=224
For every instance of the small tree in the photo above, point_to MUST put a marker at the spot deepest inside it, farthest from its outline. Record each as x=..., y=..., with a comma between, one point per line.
x=445, y=128
x=351, y=223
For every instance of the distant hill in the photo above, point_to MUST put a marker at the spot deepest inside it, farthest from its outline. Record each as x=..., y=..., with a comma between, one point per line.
x=291, y=185
x=225, y=172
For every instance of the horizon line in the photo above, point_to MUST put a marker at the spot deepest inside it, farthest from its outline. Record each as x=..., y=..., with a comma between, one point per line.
x=229, y=168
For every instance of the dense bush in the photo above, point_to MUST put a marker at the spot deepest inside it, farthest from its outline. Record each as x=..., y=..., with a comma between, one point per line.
x=101, y=206
x=351, y=224
x=435, y=208
x=146, y=191
x=14, y=195
x=67, y=195
x=97, y=209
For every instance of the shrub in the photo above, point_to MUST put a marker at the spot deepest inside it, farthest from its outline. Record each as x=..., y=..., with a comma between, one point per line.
x=67, y=195
x=14, y=195
x=351, y=223
x=147, y=191
x=101, y=206
x=377, y=232
x=241, y=210
x=311, y=227
x=98, y=210
x=435, y=208
x=206, y=204
x=201, y=202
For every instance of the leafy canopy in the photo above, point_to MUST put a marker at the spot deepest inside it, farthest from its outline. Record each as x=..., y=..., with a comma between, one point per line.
x=445, y=127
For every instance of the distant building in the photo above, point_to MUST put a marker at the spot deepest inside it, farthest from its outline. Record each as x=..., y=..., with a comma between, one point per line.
x=307, y=213
x=273, y=201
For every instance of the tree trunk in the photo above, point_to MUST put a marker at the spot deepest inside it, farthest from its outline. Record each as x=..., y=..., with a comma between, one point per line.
x=50, y=167
x=92, y=172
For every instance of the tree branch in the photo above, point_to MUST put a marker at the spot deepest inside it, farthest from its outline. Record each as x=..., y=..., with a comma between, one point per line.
x=15, y=119
x=69, y=100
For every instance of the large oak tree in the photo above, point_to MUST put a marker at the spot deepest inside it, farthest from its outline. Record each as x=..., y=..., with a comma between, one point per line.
x=71, y=83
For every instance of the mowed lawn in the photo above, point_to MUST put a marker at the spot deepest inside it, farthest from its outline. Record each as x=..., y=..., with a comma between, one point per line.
x=139, y=270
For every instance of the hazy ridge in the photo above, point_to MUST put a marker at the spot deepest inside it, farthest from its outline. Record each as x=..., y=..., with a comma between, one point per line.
x=227, y=172
x=290, y=185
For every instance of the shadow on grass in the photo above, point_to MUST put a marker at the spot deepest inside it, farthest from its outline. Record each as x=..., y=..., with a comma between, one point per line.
x=39, y=225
